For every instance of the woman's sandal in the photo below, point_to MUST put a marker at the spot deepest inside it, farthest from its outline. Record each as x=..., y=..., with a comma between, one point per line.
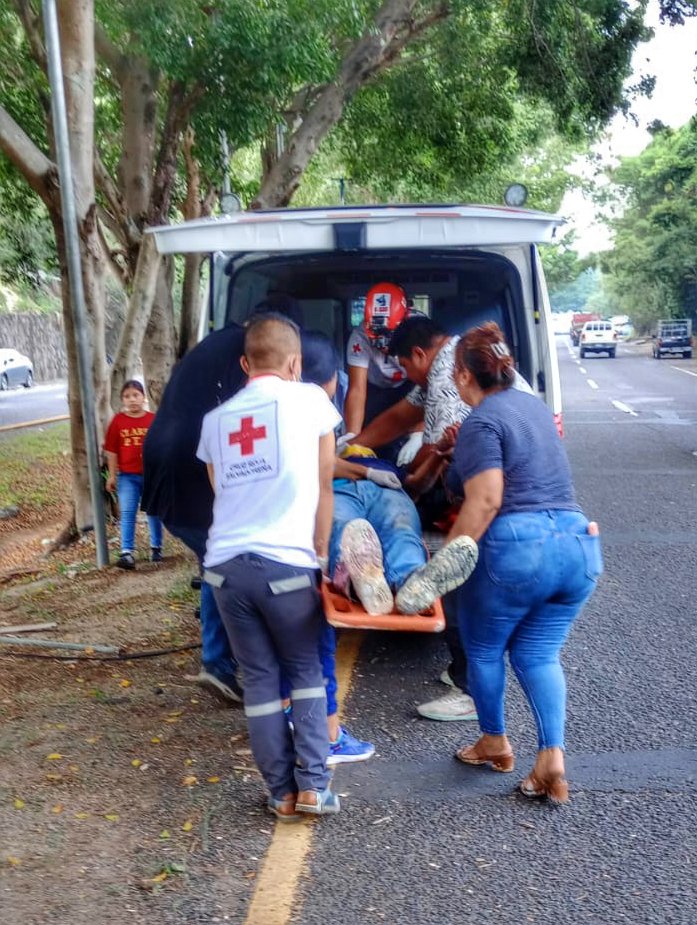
x=324, y=802
x=504, y=763
x=555, y=790
x=284, y=810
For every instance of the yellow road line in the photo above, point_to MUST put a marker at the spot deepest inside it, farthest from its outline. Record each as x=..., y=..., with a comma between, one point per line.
x=276, y=886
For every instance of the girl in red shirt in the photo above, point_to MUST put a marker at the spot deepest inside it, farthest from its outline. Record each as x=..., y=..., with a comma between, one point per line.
x=123, y=446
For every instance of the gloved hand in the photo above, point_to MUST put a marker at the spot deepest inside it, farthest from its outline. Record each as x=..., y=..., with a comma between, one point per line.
x=343, y=441
x=383, y=478
x=410, y=448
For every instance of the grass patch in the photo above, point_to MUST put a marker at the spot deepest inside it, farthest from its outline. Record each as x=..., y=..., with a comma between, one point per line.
x=35, y=470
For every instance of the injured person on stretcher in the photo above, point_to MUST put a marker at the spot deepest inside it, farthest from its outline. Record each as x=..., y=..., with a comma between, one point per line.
x=376, y=550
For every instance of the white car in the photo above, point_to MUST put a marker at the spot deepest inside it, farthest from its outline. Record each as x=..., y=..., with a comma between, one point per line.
x=598, y=337
x=15, y=369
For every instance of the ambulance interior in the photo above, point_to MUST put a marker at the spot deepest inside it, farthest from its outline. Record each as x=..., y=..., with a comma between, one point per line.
x=457, y=288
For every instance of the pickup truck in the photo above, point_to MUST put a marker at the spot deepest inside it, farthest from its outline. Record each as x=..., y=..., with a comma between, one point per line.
x=673, y=337
x=578, y=319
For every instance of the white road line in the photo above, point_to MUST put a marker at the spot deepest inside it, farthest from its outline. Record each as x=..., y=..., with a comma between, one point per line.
x=681, y=370
x=620, y=405
x=592, y=383
x=582, y=369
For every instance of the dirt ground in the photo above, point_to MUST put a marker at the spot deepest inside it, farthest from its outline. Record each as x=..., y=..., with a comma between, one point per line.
x=123, y=786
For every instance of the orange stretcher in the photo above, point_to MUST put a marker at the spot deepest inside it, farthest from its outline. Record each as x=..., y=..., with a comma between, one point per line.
x=341, y=612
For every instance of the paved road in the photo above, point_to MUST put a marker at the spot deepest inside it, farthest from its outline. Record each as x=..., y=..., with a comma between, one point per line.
x=423, y=840
x=44, y=400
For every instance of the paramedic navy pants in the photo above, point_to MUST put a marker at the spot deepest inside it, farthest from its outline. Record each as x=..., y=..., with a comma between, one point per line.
x=270, y=634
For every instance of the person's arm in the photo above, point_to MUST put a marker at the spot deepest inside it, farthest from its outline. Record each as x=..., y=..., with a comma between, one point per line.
x=325, y=507
x=343, y=469
x=354, y=406
x=401, y=418
x=483, y=499
x=111, y=461
x=211, y=475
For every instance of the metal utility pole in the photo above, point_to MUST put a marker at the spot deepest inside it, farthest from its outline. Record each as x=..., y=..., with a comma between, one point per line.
x=77, y=294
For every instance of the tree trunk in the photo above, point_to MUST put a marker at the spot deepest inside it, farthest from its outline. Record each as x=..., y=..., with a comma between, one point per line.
x=127, y=361
x=379, y=47
x=158, y=347
x=191, y=303
x=76, y=21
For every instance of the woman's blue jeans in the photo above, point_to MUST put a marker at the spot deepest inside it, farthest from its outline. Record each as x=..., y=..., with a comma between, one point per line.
x=393, y=516
x=129, y=488
x=535, y=572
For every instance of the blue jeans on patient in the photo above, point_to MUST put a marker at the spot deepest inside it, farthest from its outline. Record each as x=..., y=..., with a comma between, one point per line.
x=216, y=654
x=394, y=518
x=535, y=572
x=129, y=488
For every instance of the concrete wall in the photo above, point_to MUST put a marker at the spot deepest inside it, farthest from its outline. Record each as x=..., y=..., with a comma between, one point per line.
x=40, y=337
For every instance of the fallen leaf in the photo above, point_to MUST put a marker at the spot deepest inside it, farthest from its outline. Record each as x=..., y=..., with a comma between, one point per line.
x=190, y=781
x=243, y=751
x=194, y=700
x=61, y=726
x=156, y=740
x=19, y=804
x=171, y=719
x=92, y=739
x=73, y=767
x=136, y=762
x=12, y=860
x=124, y=682
x=188, y=826
x=89, y=650
x=112, y=817
x=82, y=815
x=54, y=777
x=80, y=680
x=188, y=762
x=161, y=877
x=164, y=833
x=54, y=756
x=175, y=713
x=58, y=808
x=213, y=780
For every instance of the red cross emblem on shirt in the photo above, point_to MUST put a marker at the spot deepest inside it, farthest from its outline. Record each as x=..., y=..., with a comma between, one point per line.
x=246, y=436
x=356, y=348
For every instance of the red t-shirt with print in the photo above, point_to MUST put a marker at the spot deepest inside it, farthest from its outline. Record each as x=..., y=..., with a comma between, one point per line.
x=125, y=436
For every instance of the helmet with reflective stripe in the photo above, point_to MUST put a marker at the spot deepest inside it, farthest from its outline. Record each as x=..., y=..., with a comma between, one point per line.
x=385, y=308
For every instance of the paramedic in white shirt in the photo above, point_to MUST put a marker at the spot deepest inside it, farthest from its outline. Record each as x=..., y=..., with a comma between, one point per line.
x=270, y=457
x=377, y=380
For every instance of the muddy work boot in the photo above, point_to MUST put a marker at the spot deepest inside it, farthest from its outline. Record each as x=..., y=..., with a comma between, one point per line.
x=448, y=568
x=126, y=561
x=361, y=557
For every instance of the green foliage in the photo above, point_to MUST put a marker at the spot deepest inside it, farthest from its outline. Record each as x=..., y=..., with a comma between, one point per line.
x=652, y=267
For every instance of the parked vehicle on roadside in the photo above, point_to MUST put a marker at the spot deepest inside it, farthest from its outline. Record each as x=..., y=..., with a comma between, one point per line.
x=673, y=337
x=15, y=369
x=598, y=337
x=578, y=319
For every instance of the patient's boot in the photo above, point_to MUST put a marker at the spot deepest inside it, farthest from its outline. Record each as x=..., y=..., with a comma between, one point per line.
x=446, y=570
x=361, y=558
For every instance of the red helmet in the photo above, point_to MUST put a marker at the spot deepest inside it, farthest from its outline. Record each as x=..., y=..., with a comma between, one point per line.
x=385, y=308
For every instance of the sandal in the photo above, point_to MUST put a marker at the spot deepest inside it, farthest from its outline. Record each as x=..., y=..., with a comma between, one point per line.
x=284, y=810
x=556, y=790
x=503, y=762
x=324, y=802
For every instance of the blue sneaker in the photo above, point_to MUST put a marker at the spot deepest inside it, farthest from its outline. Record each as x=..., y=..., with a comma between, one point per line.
x=347, y=749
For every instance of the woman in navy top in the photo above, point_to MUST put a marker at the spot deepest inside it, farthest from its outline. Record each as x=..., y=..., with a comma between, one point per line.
x=539, y=558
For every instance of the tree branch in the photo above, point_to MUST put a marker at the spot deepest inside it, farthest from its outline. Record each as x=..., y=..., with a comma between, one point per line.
x=38, y=170
x=31, y=23
x=128, y=232
x=112, y=56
